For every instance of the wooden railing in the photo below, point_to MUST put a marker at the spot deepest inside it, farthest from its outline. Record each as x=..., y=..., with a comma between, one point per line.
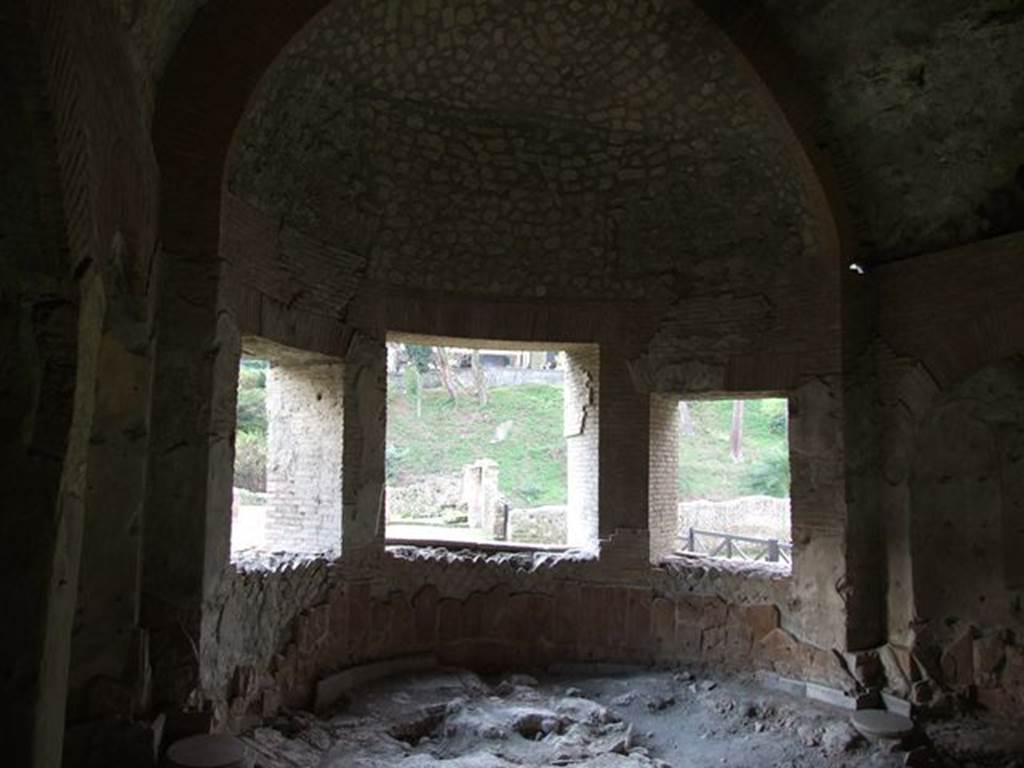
x=736, y=547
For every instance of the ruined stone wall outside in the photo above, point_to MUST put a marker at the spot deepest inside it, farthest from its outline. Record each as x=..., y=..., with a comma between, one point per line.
x=305, y=430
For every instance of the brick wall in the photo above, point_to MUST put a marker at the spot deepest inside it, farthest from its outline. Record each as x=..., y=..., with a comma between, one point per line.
x=582, y=430
x=305, y=423
x=663, y=479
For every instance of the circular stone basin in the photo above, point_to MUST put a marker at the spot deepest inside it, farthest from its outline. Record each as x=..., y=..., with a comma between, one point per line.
x=881, y=724
x=207, y=751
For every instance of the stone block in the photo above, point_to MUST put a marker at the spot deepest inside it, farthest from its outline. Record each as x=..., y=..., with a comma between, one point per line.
x=358, y=627
x=989, y=655
x=495, y=618
x=713, y=645
x=663, y=628
x=425, y=617
x=761, y=619
x=687, y=643
x=333, y=687
x=831, y=696
x=567, y=616
x=701, y=612
x=957, y=661
x=450, y=621
x=739, y=639
x=638, y=622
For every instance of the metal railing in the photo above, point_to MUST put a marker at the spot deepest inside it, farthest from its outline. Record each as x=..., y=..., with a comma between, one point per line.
x=736, y=547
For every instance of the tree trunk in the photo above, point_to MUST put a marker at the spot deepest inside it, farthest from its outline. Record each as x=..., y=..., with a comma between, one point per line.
x=479, y=380
x=736, y=435
x=445, y=371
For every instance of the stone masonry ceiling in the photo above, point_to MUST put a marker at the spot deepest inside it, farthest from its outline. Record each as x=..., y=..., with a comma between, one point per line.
x=922, y=104
x=915, y=100
x=574, y=149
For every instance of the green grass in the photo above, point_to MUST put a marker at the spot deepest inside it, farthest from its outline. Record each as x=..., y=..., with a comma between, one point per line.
x=706, y=468
x=531, y=460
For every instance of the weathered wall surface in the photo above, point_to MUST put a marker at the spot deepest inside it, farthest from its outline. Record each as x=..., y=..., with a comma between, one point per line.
x=281, y=632
x=951, y=496
x=922, y=178
x=38, y=358
x=78, y=117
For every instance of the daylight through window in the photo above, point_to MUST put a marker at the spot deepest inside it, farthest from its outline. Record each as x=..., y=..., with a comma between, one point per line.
x=491, y=444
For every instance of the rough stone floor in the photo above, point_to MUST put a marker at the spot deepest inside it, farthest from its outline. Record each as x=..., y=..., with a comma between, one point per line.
x=602, y=717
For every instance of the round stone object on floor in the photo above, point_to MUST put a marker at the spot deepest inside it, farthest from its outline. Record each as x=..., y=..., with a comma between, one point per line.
x=880, y=724
x=207, y=751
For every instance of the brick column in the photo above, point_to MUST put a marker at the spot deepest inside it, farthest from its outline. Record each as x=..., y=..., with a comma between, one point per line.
x=582, y=375
x=663, y=478
x=305, y=426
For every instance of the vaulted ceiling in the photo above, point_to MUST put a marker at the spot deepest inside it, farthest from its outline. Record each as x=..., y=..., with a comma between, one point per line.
x=920, y=103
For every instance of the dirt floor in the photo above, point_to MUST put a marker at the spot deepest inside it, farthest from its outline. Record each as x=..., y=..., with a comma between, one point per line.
x=597, y=717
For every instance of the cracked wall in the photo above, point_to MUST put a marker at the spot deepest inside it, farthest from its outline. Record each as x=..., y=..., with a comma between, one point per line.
x=582, y=439
x=950, y=416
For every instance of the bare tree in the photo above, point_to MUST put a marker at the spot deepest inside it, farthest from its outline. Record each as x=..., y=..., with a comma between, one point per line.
x=736, y=434
x=444, y=369
x=479, y=380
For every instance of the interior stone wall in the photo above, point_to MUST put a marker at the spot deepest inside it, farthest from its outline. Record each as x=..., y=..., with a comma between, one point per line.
x=490, y=613
x=78, y=177
x=753, y=619
x=38, y=360
x=951, y=421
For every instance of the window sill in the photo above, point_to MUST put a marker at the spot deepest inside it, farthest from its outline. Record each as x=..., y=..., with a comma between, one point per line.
x=690, y=563
x=482, y=546
x=529, y=556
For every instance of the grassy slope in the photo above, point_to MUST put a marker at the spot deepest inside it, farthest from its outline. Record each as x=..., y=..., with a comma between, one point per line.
x=707, y=471
x=531, y=459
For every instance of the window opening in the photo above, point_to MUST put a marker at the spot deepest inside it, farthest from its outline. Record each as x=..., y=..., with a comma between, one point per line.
x=487, y=444
x=730, y=479
x=734, y=479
